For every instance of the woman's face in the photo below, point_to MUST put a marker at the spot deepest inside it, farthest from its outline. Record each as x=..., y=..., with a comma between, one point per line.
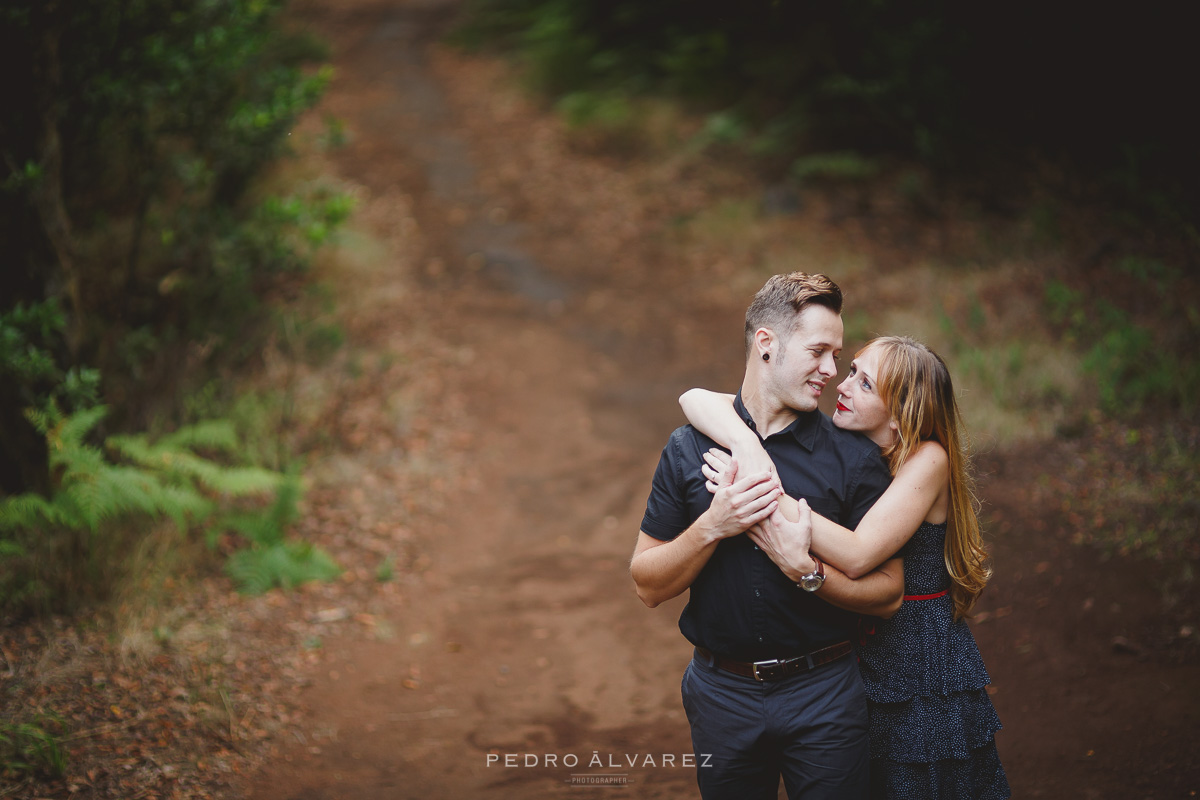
x=859, y=406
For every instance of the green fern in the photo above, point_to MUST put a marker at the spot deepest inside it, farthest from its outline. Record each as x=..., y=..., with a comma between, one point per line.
x=164, y=480
x=286, y=564
x=270, y=560
x=171, y=455
x=267, y=528
x=44, y=540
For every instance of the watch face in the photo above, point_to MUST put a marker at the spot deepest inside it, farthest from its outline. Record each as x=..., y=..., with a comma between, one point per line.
x=810, y=583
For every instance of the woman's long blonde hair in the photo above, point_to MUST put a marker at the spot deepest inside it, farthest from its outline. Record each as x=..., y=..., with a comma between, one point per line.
x=915, y=385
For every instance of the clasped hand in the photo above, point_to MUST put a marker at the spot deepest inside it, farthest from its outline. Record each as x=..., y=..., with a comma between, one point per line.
x=785, y=542
x=740, y=504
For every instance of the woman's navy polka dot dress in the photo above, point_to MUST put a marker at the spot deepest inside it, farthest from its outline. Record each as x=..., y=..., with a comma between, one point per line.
x=932, y=723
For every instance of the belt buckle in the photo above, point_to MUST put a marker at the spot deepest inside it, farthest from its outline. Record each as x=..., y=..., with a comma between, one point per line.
x=774, y=662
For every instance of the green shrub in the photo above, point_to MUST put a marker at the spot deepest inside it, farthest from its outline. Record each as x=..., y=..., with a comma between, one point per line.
x=933, y=81
x=132, y=143
x=1133, y=366
x=843, y=165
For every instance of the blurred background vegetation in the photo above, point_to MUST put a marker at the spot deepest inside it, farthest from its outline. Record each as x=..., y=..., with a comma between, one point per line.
x=832, y=87
x=140, y=244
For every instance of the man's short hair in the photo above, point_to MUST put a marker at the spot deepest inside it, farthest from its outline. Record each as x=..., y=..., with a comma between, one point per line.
x=781, y=299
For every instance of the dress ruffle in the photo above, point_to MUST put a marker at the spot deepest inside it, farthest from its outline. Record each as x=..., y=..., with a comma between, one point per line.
x=934, y=728
x=921, y=651
x=979, y=777
x=932, y=722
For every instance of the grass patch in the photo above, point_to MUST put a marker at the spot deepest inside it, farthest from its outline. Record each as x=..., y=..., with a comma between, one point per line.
x=1133, y=492
x=32, y=748
x=616, y=121
x=1134, y=365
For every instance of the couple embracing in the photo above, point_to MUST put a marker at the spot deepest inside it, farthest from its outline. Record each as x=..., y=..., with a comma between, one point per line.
x=830, y=563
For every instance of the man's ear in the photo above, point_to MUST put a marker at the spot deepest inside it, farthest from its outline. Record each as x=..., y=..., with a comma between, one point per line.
x=764, y=338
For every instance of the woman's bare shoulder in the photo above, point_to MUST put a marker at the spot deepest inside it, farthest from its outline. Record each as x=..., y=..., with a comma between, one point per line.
x=930, y=458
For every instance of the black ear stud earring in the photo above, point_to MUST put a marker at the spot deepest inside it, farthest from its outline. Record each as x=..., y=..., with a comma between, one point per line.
x=766, y=356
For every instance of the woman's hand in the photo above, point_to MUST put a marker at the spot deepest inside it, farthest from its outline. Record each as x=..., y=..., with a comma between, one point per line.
x=718, y=462
x=786, y=543
x=718, y=469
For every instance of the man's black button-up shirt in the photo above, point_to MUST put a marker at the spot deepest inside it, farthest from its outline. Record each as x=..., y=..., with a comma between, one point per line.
x=741, y=604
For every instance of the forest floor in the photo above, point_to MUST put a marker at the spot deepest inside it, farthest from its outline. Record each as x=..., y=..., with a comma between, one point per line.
x=523, y=305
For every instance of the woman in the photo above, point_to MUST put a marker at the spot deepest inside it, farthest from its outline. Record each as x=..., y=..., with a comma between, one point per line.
x=932, y=723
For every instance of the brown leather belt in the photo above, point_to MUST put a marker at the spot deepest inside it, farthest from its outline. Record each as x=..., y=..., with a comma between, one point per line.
x=777, y=669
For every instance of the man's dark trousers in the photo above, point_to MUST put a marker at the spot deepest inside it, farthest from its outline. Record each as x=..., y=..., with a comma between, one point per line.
x=811, y=728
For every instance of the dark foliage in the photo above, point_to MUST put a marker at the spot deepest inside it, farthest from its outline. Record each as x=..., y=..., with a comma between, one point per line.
x=1101, y=91
x=131, y=132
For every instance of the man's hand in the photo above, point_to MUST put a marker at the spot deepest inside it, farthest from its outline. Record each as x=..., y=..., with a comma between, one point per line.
x=786, y=543
x=739, y=504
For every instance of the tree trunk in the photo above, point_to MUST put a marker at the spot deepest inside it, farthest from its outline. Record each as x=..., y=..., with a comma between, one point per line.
x=46, y=193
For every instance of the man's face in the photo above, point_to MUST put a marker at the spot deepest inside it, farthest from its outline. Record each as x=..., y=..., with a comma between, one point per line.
x=807, y=359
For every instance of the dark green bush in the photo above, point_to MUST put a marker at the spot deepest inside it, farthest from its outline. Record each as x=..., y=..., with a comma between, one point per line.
x=132, y=135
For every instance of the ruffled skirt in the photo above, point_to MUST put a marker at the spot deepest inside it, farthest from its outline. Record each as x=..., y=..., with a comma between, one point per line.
x=932, y=723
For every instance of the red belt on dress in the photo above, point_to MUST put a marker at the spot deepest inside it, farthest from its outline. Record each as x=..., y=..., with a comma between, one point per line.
x=933, y=596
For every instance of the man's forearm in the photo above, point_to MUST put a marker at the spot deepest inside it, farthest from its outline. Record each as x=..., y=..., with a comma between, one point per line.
x=879, y=593
x=663, y=570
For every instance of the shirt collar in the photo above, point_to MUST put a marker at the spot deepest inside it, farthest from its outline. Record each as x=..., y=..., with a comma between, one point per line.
x=803, y=428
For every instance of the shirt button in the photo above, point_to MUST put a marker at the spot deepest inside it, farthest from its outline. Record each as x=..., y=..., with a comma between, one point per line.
x=755, y=547
x=757, y=593
x=760, y=639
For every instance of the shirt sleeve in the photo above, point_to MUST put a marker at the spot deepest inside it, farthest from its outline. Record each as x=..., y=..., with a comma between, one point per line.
x=873, y=480
x=667, y=513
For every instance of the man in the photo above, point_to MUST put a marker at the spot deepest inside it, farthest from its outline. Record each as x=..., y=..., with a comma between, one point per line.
x=773, y=688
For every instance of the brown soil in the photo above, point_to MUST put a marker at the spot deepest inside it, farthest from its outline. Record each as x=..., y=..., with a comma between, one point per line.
x=522, y=315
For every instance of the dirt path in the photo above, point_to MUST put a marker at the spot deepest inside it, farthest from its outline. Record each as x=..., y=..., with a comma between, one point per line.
x=556, y=343
x=521, y=637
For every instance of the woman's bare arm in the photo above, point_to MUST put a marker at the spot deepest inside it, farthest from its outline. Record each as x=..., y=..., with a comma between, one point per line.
x=893, y=519
x=712, y=414
x=891, y=522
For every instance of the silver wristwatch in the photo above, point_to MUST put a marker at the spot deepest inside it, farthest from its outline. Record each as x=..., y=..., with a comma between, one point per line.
x=815, y=579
